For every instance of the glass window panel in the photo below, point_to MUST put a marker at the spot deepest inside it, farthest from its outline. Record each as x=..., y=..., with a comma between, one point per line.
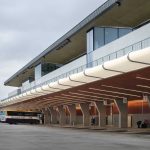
x=120, y=53
x=38, y=71
x=146, y=43
x=98, y=37
x=128, y=49
x=111, y=34
x=124, y=31
x=100, y=61
x=137, y=46
x=112, y=56
x=90, y=46
x=106, y=58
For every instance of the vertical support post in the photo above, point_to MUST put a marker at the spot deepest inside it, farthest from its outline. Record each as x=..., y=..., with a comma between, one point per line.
x=86, y=113
x=47, y=116
x=72, y=111
x=101, y=113
x=147, y=98
x=53, y=113
x=62, y=115
x=122, y=106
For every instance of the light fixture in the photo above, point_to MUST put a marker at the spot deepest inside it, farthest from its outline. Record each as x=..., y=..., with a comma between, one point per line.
x=118, y=3
x=125, y=100
x=64, y=43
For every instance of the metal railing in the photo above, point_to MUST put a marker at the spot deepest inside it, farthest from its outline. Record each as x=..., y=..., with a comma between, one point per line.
x=122, y=52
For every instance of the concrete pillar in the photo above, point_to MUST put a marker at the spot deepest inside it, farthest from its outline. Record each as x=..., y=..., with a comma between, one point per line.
x=101, y=108
x=53, y=113
x=42, y=117
x=122, y=106
x=62, y=120
x=46, y=116
x=86, y=114
x=147, y=98
x=72, y=111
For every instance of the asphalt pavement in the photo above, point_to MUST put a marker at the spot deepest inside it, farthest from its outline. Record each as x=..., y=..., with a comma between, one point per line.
x=27, y=137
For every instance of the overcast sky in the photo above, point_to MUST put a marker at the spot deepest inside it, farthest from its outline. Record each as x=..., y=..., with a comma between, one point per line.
x=27, y=27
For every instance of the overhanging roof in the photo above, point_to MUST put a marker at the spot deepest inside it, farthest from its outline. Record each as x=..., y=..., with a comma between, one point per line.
x=130, y=13
x=120, y=67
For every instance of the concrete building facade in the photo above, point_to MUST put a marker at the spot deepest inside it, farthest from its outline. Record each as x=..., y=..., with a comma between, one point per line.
x=97, y=73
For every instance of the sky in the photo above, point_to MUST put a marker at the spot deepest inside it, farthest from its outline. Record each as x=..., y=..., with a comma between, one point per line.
x=27, y=27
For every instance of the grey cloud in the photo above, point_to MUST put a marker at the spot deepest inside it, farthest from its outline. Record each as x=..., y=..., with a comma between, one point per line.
x=27, y=27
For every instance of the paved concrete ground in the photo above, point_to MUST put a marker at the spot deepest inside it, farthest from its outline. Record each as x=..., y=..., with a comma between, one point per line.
x=25, y=137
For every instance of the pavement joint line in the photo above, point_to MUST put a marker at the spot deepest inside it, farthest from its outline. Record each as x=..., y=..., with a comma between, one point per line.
x=106, y=130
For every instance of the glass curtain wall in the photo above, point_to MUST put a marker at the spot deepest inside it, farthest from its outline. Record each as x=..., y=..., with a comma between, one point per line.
x=100, y=36
x=38, y=72
x=105, y=35
x=48, y=67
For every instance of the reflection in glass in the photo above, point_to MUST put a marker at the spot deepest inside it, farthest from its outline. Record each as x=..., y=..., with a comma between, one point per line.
x=98, y=37
x=111, y=34
x=38, y=71
x=105, y=35
x=124, y=31
x=90, y=47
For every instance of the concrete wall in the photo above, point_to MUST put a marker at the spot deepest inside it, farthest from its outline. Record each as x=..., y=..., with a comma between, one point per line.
x=116, y=120
x=79, y=120
x=137, y=117
x=109, y=120
x=67, y=120
x=134, y=119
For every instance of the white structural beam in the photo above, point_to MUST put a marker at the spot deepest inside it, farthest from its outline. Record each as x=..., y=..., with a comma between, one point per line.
x=122, y=106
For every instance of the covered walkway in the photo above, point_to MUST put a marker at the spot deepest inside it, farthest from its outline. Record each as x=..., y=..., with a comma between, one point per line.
x=107, y=93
